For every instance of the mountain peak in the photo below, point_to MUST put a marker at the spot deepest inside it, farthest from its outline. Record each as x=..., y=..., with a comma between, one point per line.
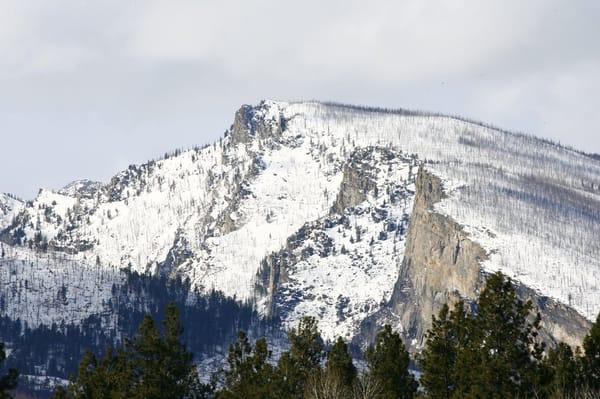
x=84, y=188
x=292, y=183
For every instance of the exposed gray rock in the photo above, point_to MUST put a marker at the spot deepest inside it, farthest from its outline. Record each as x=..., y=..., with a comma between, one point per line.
x=441, y=265
x=250, y=124
x=82, y=189
x=225, y=223
x=357, y=181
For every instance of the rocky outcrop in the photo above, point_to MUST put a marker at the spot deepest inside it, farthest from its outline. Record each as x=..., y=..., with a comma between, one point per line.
x=357, y=181
x=85, y=188
x=560, y=323
x=249, y=123
x=441, y=265
x=275, y=267
x=239, y=187
x=249, y=126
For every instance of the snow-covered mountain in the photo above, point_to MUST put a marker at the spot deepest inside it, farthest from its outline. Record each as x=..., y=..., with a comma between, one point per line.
x=308, y=208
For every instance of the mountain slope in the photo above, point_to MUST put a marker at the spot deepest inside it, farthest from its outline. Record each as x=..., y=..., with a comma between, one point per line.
x=272, y=212
x=10, y=206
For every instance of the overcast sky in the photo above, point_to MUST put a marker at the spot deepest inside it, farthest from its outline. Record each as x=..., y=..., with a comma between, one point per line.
x=89, y=87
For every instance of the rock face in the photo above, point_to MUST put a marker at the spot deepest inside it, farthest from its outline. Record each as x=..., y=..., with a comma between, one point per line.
x=357, y=181
x=249, y=124
x=441, y=265
x=560, y=323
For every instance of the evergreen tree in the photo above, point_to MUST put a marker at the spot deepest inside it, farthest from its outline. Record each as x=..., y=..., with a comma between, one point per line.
x=149, y=366
x=179, y=370
x=388, y=363
x=466, y=354
x=249, y=375
x=565, y=371
x=504, y=358
x=303, y=359
x=144, y=353
x=162, y=366
x=104, y=378
x=60, y=393
x=438, y=359
x=9, y=381
x=339, y=363
x=591, y=361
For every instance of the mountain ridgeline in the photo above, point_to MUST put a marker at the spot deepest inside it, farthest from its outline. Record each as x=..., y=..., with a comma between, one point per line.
x=359, y=217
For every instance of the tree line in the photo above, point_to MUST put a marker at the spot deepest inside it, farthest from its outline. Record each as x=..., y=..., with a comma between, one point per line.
x=211, y=321
x=493, y=352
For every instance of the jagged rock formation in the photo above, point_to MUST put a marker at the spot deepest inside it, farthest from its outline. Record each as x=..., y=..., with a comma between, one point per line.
x=442, y=264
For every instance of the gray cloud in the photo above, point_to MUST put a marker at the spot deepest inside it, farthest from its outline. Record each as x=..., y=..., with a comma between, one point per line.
x=88, y=87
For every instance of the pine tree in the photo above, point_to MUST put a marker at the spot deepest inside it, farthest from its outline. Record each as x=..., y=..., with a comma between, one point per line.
x=591, y=361
x=303, y=360
x=466, y=353
x=505, y=352
x=145, y=356
x=60, y=393
x=565, y=371
x=438, y=359
x=178, y=363
x=162, y=366
x=339, y=363
x=237, y=360
x=108, y=377
x=9, y=381
x=149, y=366
x=388, y=363
x=249, y=375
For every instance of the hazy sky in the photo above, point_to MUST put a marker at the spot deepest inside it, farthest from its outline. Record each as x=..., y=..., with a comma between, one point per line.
x=88, y=87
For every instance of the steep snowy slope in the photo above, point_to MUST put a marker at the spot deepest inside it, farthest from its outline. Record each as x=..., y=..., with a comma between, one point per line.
x=52, y=287
x=535, y=206
x=269, y=212
x=9, y=207
x=342, y=267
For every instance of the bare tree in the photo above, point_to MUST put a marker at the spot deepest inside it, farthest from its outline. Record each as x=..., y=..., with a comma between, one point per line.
x=365, y=387
x=324, y=385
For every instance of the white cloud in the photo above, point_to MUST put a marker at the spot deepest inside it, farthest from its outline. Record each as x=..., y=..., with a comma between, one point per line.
x=154, y=75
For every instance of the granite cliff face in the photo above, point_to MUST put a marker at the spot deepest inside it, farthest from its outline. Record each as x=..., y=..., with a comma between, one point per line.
x=440, y=263
x=443, y=264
